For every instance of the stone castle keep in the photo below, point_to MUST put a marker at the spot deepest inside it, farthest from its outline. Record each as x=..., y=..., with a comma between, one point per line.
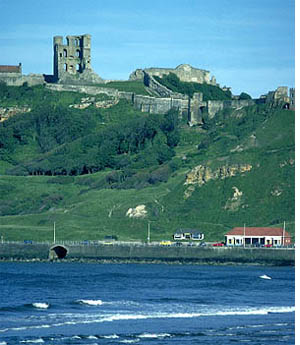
x=72, y=57
x=72, y=60
x=72, y=71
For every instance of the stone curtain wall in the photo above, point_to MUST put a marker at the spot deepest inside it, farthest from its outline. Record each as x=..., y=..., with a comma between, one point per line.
x=184, y=73
x=189, y=108
x=16, y=79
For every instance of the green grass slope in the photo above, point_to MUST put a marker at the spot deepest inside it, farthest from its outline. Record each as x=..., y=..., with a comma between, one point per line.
x=245, y=175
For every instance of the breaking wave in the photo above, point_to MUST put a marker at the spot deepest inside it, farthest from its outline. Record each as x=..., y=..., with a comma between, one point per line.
x=153, y=335
x=159, y=315
x=91, y=302
x=41, y=305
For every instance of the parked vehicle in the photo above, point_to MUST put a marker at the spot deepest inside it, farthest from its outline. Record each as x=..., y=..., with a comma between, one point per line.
x=218, y=244
x=165, y=243
x=27, y=241
x=110, y=237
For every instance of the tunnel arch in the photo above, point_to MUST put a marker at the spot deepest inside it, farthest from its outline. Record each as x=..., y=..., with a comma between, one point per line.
x=58, y=251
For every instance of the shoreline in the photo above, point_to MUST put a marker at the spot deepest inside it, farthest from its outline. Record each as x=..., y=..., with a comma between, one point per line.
x=20, y=252
x=144, y=262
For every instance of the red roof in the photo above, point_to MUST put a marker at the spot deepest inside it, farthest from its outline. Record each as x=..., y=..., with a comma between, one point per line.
x=9, y=69
x=254, y=231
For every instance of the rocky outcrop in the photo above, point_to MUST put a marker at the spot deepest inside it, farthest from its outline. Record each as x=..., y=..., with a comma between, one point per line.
x=201, y=174
x=87, y=101
x=234, y=203
x=7, y=112
x=137, y=212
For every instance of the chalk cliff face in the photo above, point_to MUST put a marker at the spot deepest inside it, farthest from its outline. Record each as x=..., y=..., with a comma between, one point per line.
x=137, y=212
x=202, y=174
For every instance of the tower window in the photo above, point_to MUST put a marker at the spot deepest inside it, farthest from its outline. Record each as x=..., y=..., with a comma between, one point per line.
x=65, y=67
x=78, y=68
x=78, y=53
x=65, y=53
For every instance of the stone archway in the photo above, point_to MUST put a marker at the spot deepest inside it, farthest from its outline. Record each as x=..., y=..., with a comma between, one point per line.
x=58, y=251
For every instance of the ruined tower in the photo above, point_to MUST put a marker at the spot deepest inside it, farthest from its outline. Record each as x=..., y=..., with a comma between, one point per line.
x=72, y=59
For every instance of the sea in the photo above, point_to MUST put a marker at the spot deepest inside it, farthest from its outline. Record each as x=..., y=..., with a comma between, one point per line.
x=91, y=303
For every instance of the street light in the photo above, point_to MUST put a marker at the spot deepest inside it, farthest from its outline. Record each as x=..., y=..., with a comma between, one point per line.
x=148, y=238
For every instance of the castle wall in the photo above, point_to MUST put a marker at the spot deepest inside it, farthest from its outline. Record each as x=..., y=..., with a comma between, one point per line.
x=87, y=89
x=17, y=79
x=159, y=89
x=192, y=109
x=214, y=106
x=184, y=73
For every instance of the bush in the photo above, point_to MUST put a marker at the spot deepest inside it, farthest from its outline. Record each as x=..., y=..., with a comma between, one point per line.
x=244, y=95
x=62, y=179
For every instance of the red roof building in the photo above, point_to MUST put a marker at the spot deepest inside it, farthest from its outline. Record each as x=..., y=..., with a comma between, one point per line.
x=257, y=236
x=11, y=69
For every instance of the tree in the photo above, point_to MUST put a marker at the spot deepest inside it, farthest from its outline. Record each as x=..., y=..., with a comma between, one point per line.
x=244, y=95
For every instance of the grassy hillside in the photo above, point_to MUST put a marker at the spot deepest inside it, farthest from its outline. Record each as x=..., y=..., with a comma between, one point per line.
x=239, y=169
x=210, y=92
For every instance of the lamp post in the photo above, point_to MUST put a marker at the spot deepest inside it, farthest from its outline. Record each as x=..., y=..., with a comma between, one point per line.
x=54, y=232
x=148, y=237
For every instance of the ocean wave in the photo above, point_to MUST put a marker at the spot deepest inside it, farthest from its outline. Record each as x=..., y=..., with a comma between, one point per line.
x=21, y=308
x=154, y=335
x=112, y=336
x=129, y=341
x=41, y=305
x=91, y=302
x=35, y=341
x=100, y=318
x=98, y=302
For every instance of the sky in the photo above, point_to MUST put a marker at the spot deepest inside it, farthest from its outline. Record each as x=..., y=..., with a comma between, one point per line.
x=247, y=45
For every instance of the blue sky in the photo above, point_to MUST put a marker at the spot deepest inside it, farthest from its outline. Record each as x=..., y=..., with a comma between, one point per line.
x=248, y=45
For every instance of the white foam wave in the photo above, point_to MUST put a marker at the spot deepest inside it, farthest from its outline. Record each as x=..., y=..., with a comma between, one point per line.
x=41, y=305
x=92, y=337
x=127, y=341
x=119, y=317
x=92, y=302
x=154, y=335
x=3, y=343
x=36, y=341
x=113, y=336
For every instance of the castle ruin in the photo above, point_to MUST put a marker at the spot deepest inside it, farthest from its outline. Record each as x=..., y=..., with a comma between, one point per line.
x=184, y=72
x=72, y=60
x=72, y=71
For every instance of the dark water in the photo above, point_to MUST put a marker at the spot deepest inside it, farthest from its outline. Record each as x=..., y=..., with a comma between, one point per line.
x=72, y=303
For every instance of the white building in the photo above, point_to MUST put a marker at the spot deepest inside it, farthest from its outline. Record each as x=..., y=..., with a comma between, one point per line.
x=258, y=236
